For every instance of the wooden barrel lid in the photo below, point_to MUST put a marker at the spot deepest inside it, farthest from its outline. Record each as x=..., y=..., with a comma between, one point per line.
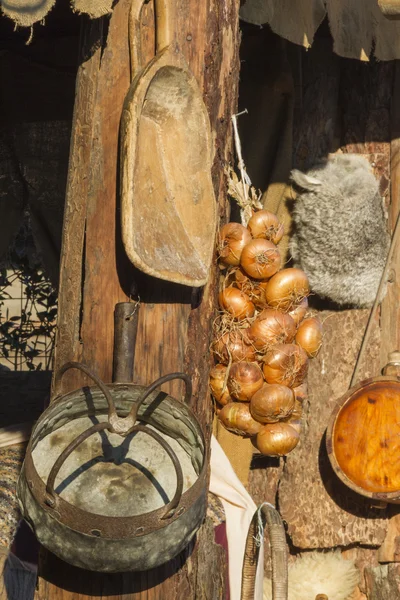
x=363, y=438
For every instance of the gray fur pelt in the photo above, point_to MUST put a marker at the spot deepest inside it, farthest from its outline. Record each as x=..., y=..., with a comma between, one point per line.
x=340, y=238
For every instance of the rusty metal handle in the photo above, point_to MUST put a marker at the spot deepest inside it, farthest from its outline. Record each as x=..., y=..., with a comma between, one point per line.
x=102, y=386
x=170, y=508
x=126, y=320
x=188, y=391
x=120, y=425
x=50, y=493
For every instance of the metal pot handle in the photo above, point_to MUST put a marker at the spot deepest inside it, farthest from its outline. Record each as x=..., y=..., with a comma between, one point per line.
x=188, y=391
x=170, y=508
x=102, y=386
x=124, y=425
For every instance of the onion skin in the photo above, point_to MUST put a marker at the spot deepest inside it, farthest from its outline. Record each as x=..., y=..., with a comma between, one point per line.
x=245, y=379
x=299, y=311
x=236, y=303
x=235, y=346
x=297, y=411
x=260, y=259
x=272, y=403
x=255, y=289
x=271, y=327
x=264, y=224
x=287, y=288
x=277, y=439
x=301, y=392
x=309, y=336
x=236, y=417
x=217, y=380
x=233, y=237
x=295, y=422
x=286, y=364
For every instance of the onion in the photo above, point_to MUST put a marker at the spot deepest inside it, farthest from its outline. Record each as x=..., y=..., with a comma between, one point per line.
x=253, y=288
x=236, y=303
x=294, y=422
x=236, y=417
x=264, y=224
x=285, y=364
x=301, y=392
x=272, y=403
x=232, y=239
x=297, y=410
x=260, y=259
x=277, y=439
x=287, y=288
x=234, y=346
x=298, y=312
x=245, y=379
x=217, y=381
x=309, y=336
x=271, y=327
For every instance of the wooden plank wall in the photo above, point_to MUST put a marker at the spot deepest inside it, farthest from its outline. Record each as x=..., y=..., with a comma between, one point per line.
x=174, y=328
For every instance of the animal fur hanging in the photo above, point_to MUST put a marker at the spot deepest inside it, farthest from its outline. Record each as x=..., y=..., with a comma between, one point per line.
x=340, y=238
x=319, y=573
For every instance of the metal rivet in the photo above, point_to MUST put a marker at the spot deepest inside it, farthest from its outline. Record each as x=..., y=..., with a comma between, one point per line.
x=69, y=405
x=180, y=511
x=139, y=530
x=176, y=414
x=45, y=422
x=189, y=37
x=96, y=532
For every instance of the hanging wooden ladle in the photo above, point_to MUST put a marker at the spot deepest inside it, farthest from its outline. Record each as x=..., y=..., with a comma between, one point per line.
x=167, y=198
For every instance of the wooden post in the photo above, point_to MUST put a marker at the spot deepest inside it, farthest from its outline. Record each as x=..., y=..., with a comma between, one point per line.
x=174, y=327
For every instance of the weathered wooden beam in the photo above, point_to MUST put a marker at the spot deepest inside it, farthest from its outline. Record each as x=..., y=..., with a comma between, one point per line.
x=174, y=324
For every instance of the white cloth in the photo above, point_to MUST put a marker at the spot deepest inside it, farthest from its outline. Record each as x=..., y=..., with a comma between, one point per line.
x=239, y=510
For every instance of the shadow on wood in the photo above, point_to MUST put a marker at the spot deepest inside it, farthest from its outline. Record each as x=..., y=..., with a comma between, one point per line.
x=75, y=580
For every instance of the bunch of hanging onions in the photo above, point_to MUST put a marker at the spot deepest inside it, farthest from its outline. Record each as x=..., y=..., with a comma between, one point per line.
x=263, y=337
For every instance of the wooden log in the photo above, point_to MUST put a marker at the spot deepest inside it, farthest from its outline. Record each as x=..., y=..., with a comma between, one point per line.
x=390, y=312
x=174, y=324
x=383, y=582
x=321, y=512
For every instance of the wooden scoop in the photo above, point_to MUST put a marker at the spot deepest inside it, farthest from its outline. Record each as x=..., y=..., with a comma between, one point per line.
x=167, y=198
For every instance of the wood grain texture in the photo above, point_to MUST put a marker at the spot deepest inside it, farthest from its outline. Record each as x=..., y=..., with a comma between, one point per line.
x=168, y=206
x=68, y=342
x=366, y=434
x=390, y=549
x=321, y=512
x=383, y=582
x=174, y=323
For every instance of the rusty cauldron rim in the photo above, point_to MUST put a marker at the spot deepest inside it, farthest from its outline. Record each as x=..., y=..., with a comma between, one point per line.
x=93, y=524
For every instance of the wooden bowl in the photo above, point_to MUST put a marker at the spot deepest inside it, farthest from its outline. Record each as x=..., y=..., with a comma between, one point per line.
x=363, y=439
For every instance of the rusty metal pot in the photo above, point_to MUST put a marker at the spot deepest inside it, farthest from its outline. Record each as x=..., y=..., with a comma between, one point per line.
x=109, y=506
